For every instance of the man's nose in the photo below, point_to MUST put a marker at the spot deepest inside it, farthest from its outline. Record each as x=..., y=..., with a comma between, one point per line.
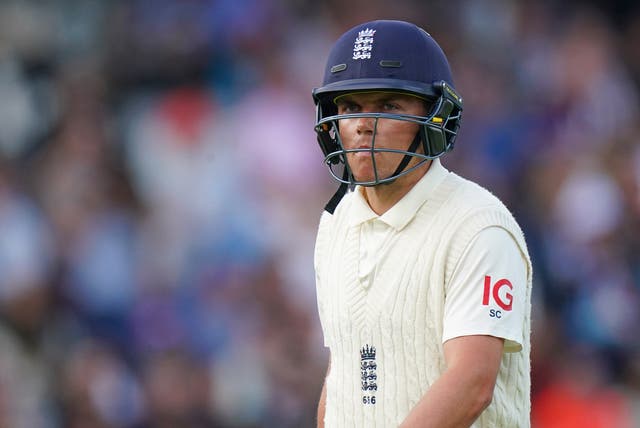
x=365, y=125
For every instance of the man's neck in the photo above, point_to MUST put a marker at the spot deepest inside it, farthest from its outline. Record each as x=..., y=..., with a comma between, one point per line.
x=384, y=196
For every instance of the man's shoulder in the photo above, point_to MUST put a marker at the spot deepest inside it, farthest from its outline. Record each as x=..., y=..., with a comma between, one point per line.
x=471, y=196
x=472, y=208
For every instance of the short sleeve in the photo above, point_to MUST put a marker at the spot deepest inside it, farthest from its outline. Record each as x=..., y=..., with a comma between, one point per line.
x=487, y=291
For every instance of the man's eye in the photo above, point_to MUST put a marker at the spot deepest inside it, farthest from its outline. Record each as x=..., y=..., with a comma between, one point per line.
x=348, y=108
x=390, y=106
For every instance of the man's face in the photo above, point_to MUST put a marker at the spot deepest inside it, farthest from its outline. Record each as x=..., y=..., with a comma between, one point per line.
x=357, y=133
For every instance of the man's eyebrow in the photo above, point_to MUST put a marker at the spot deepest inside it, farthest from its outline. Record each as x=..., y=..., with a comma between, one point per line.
x=344, y=100
x=390, y=97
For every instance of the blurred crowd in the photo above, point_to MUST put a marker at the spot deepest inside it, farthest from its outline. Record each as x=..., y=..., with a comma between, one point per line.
x=160, y=189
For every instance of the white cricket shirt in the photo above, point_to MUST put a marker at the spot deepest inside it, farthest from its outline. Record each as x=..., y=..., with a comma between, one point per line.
x=447, y=260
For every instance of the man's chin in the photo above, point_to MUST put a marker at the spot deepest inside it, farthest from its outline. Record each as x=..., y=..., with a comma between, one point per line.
x=368, y=178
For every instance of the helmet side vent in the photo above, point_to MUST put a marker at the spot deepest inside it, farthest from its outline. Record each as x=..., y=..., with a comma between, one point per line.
x=338, y=67
x=389, y=63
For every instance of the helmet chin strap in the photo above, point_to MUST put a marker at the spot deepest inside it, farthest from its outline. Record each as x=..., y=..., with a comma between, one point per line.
x=407, y=158
x=337, y=197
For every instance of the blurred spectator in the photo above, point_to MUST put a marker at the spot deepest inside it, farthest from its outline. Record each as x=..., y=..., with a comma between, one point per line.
x=578, y=396
x=20, y=120
x=26, y=263
x=177, y=393
x=97, y=389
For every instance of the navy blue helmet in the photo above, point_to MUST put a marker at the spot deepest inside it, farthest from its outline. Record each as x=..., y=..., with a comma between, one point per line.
x=388, y=56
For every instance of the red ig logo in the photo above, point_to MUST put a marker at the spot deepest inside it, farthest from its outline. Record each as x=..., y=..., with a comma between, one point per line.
x=502, y=299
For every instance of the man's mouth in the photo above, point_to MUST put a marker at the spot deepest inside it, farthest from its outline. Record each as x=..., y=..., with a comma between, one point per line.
x=363, y=150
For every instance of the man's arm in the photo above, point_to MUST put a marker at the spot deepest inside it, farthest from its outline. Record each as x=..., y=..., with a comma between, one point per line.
x=465, y=389
x=322, y=403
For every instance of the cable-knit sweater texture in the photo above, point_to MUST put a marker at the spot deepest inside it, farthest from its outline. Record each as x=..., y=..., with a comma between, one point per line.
x=401, y=312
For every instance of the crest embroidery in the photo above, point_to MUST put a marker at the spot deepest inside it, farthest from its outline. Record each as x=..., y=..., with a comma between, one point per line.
x=368, y=375
x=363, y=44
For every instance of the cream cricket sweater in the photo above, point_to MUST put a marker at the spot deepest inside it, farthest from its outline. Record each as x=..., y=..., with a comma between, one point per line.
x=385, y=338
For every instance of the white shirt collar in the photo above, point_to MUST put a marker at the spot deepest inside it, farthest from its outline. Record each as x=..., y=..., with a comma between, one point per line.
x=399, y=215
